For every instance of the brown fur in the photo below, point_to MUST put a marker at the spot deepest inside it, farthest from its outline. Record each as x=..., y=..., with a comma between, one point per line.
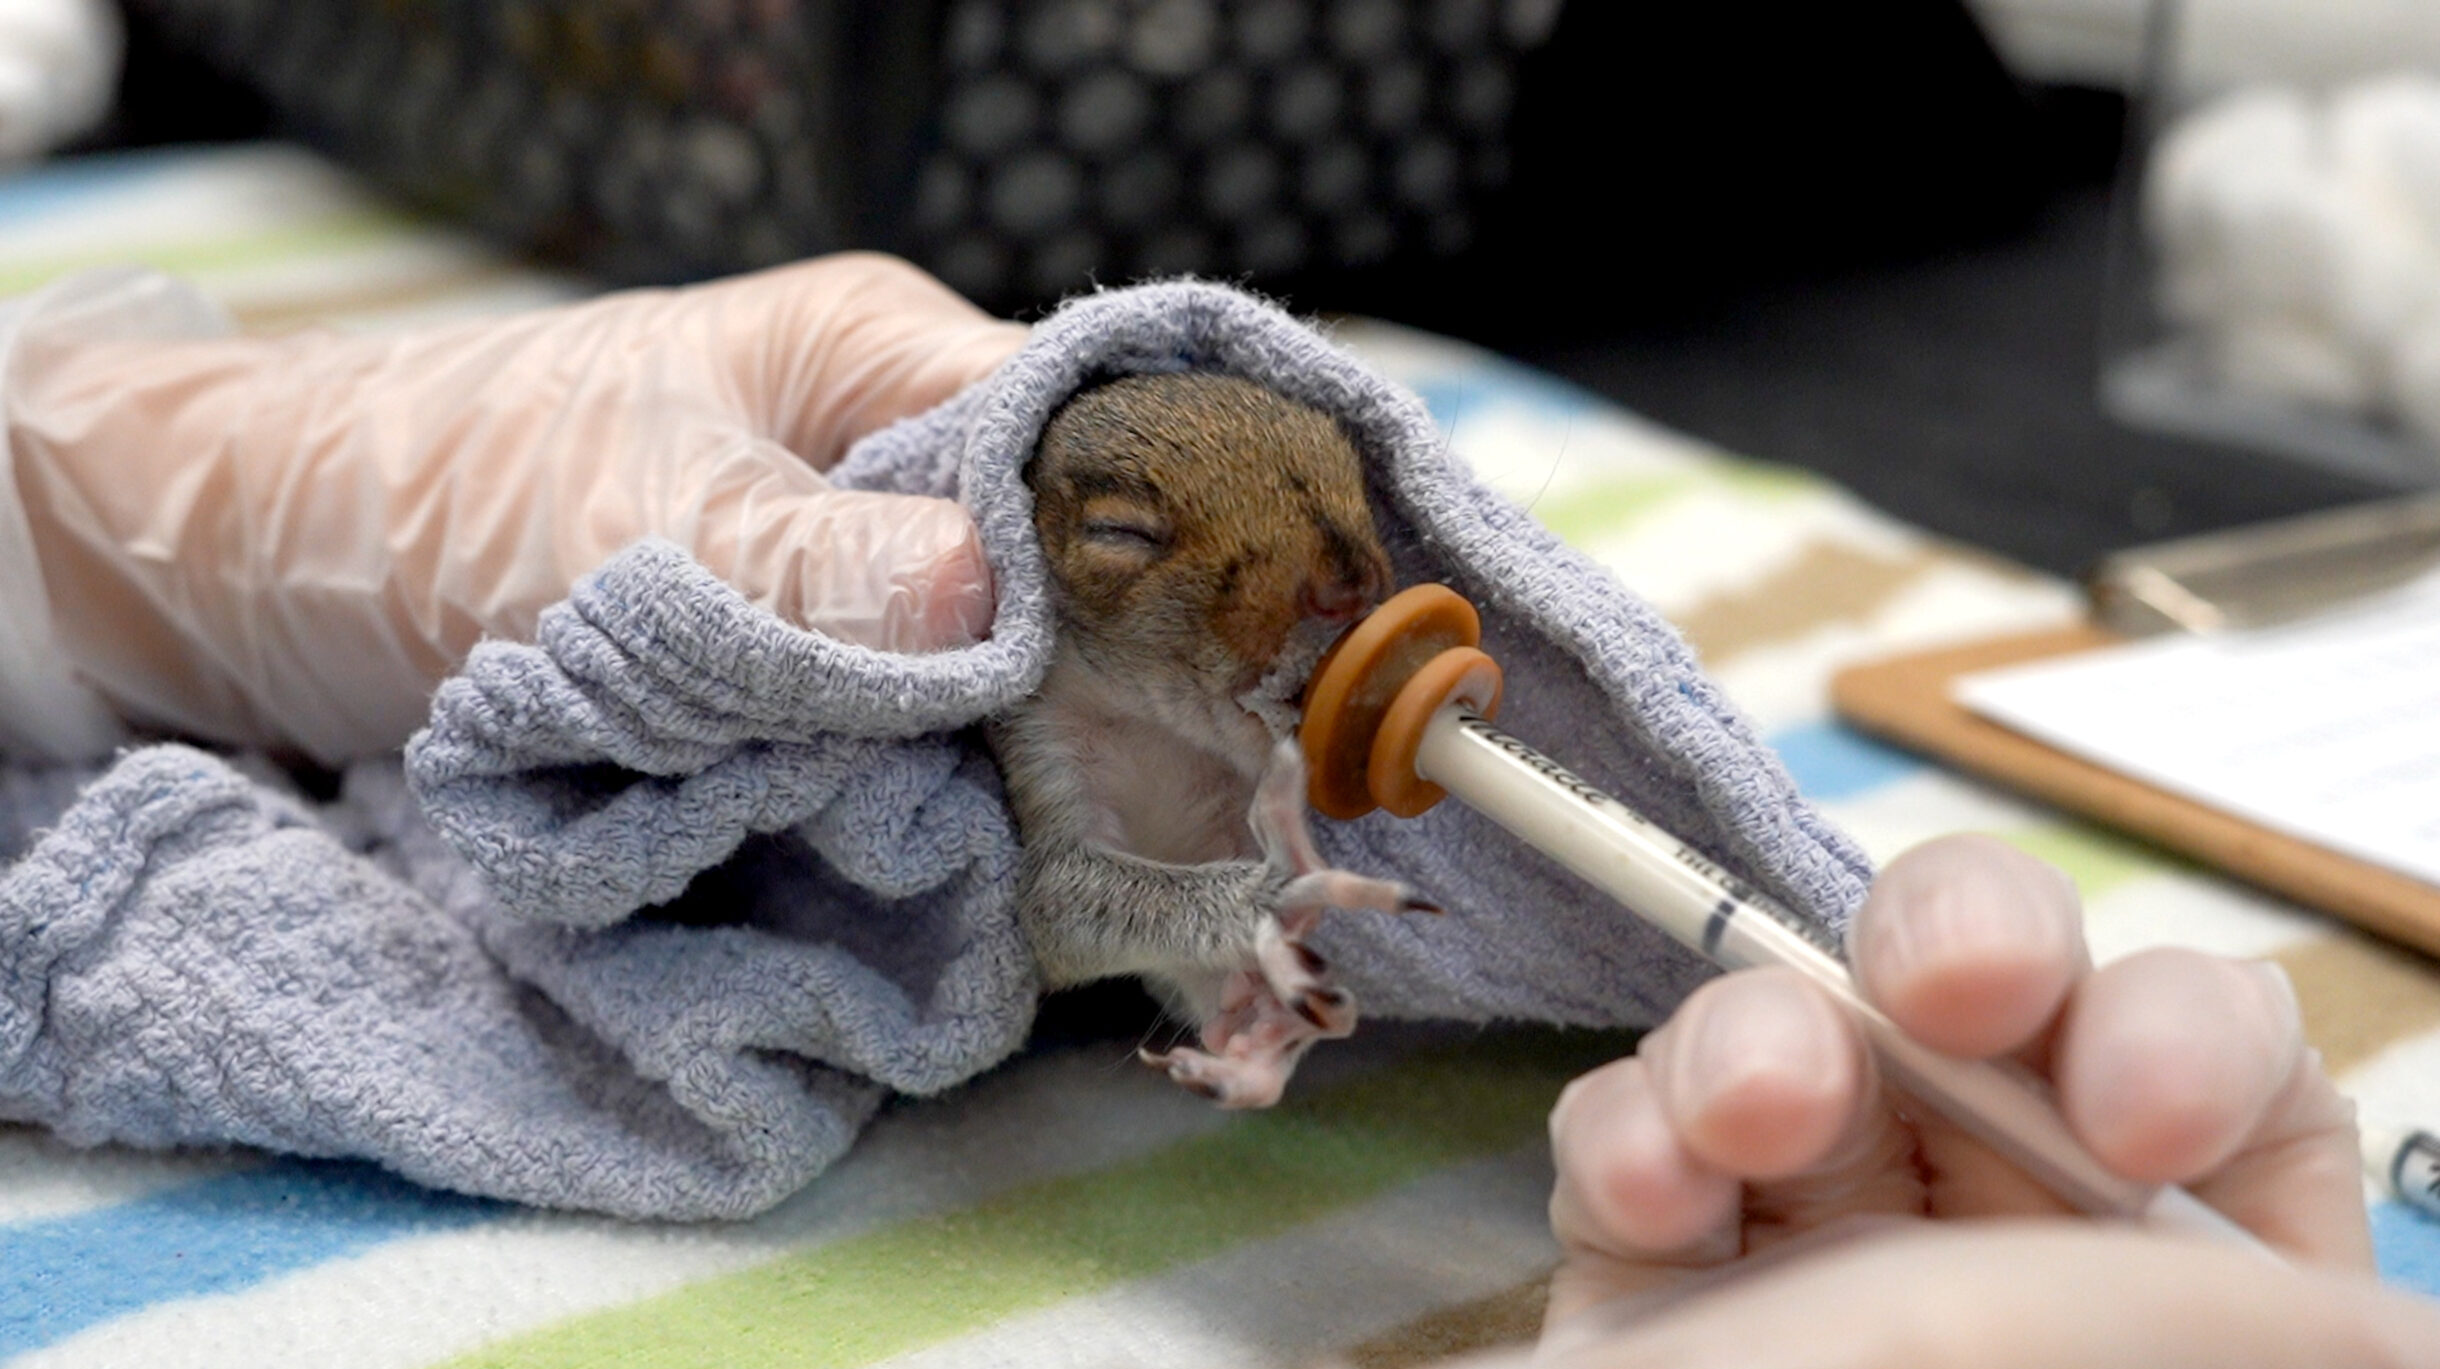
x=1257, y=511
x=1191, y=522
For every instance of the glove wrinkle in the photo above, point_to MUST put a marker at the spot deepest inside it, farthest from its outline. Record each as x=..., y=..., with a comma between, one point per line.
x=286, y=543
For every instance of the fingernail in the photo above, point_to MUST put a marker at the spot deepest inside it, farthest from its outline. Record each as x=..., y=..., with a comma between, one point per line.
x=964, y=616
x=1775, y=1029
x=1974, y=902
x=1937, y=924
x=951, y=591
x=2279, y=992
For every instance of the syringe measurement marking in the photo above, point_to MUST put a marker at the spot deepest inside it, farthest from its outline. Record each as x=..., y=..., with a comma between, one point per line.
x=1716, y=926
x=1742, y=896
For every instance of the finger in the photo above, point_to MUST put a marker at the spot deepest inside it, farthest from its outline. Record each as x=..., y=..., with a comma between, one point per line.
x=1751, y=1117
x=889, y=571
x=893, y=572
x=1766, y=1079
x=832, y=349
x=2295, y=1182
x=2169, y=1058
x=2179, y=1067
x=1760, y=1073
x=1970, y=945
x=2032, y=1294
x=1632, y=1205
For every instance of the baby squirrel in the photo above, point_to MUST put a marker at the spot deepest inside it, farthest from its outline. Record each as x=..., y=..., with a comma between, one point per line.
x=1204, y=536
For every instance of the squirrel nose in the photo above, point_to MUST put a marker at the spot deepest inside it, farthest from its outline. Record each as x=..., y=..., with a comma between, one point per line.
x=1340, y=597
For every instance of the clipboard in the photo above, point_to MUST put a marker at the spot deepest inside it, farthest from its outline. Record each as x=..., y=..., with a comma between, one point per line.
x=1906, y=701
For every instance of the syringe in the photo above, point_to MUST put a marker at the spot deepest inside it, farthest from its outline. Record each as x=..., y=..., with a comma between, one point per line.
x=1397, y=716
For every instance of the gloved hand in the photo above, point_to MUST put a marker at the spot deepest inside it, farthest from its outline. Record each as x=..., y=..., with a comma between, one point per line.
x=288, y=541
x=1703, y=1180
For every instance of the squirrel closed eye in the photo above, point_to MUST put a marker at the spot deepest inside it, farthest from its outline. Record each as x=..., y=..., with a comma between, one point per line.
x=1193, y=524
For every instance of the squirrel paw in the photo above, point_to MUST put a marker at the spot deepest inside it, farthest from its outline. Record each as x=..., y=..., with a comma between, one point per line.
x=1278, y=820
x=1272, y=1013
x=1252, y=1046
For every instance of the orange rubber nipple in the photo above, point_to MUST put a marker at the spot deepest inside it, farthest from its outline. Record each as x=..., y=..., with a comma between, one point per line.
x=1371, y=697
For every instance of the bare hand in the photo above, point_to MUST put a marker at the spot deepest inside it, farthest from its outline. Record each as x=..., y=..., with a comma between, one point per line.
x=1705, y=1183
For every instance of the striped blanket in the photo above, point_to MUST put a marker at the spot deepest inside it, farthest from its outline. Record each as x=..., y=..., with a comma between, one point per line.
x=1073, y=1208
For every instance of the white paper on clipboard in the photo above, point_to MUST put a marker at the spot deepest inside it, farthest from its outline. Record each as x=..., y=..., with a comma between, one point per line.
x=2327, y=729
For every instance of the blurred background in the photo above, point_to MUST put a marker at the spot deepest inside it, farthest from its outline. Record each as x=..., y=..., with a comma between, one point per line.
x=2047, y=276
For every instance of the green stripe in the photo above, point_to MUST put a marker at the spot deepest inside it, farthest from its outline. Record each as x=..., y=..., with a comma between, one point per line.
x=2096, y=860
x=1609, y=508
x=889, y=1291
x=348, y=231
x=1767, y=481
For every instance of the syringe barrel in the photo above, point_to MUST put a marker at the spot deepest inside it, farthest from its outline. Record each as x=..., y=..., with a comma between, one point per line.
x=1690, y=897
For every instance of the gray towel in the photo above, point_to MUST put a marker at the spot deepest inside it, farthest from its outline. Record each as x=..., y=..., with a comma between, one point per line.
x=660, y=906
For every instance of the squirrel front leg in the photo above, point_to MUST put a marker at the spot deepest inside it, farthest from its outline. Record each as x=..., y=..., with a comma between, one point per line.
x=1225, y=938
x=1090, y=912
x=1213, y=939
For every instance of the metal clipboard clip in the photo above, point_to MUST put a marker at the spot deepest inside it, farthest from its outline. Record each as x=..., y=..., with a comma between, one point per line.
x=2267, y=573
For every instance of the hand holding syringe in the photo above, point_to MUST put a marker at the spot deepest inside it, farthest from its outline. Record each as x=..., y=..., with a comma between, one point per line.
x=1396, y=717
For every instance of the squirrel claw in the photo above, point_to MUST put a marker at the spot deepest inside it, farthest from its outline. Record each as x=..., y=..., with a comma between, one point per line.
x=1270, y=1015
x=1235, y=1078
x=1181, y=1072
x=1272, y=1011
x=1292, y=976
x=1278, y=820
x=1331, y=1011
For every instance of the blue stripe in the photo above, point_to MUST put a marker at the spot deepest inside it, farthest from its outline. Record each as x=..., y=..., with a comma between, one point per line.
x=2407, y=1244
x=60, y=1276
x=57, y=185
x=1453, y=396
x=1832, y=762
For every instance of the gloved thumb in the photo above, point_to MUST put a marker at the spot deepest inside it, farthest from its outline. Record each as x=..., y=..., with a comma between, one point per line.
x=891, y=571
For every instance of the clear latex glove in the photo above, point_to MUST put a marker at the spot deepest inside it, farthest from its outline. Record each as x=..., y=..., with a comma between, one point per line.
x=289, y=541
x=1740, y=1192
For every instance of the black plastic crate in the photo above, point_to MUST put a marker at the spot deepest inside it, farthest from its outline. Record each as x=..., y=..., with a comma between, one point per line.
x=1020, y=150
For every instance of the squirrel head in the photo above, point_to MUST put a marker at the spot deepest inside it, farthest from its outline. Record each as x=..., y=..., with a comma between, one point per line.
x=1192, y=521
